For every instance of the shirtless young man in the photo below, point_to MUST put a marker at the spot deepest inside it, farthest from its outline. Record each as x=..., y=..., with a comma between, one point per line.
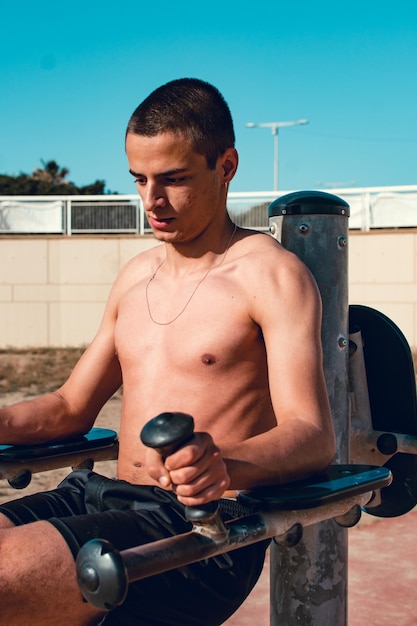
x=218, y=322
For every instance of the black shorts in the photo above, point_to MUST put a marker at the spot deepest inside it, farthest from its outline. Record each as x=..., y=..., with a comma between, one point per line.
x=87, y=506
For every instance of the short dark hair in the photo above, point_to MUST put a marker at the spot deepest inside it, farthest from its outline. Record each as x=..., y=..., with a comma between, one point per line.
x=189, y=107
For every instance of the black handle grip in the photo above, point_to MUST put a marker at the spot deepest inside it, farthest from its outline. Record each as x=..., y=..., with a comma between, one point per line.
x=166, y=433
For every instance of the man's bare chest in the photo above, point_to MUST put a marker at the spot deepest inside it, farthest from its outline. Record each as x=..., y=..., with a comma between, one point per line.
x=213, y=332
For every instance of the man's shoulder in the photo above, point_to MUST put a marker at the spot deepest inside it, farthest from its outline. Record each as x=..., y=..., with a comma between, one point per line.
x=265, y=259
x=259, y=247
x=255, y=240
x=138, y=268
x=275, y=280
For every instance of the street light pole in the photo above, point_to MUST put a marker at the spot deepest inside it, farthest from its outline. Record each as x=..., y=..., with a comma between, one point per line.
x=275, y=134
x=274, y=126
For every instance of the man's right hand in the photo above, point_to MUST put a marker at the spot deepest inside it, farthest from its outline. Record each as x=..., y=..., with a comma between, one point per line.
x=196, y=472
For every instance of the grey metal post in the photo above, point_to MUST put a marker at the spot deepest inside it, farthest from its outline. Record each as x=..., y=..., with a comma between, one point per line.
x=309, y=581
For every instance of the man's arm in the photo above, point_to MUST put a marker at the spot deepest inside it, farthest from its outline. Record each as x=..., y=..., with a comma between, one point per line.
x=287, y=308
x=73, y=408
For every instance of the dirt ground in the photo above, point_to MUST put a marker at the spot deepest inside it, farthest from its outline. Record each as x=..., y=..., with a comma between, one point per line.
x=30, y=372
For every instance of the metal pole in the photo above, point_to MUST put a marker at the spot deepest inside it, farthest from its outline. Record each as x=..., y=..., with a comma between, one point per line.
x=275, y=133
x=275, y=126
x=309, y=581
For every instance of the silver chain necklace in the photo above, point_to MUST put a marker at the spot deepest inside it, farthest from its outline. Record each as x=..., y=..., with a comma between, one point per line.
x=194, y=290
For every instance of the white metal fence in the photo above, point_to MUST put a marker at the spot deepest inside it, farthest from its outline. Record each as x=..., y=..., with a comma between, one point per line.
x=371, y=207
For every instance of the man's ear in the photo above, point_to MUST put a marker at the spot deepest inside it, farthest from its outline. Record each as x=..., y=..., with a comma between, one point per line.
x=230, y=161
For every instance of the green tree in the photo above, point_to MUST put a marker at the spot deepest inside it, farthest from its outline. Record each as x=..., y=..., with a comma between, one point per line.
x=51, y=173
x=50, y=180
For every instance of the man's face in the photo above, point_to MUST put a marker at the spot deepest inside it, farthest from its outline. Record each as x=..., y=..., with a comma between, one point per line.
x=181, y=195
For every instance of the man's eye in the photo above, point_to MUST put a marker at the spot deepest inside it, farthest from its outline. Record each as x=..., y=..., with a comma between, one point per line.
x=140, y=181
x=174, y=181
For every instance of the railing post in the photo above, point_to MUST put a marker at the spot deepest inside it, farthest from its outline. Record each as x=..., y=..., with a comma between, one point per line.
x=141, y=216
x=309, y=581
x=69, y=217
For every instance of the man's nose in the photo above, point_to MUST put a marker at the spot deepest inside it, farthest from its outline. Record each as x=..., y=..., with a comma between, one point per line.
x=153, y=196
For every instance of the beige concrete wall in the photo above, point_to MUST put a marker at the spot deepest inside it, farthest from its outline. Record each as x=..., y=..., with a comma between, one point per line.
x=383, y=275
x=53, y=289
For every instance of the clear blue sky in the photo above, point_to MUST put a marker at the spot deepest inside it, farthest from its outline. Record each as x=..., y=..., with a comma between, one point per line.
x=71, y=74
